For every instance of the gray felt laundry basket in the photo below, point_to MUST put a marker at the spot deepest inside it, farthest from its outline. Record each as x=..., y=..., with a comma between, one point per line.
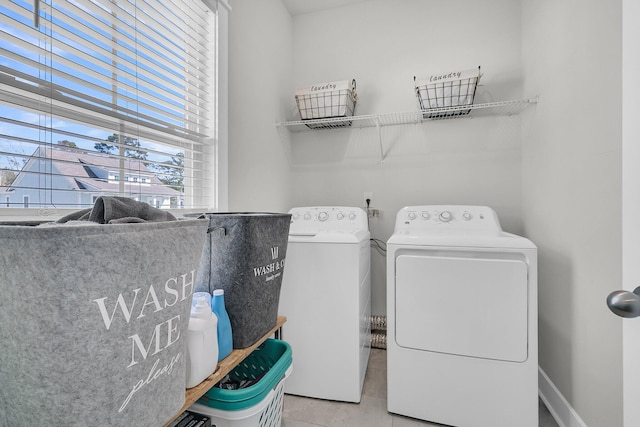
x=93, y=320
x=245, y=256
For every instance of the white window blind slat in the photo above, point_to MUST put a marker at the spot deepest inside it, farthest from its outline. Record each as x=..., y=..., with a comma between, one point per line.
x=175, y=16
x=145, y=68
x=150, y=68
x=135, y=173
x=107, y=97
x=141, y=49
x=151, y=40
x=19, y=10
x=84, y=111
x=95, y=25
x=193, y=106
x=179, y=169
x=19, y=16
x=151, y=103
x=61, y=135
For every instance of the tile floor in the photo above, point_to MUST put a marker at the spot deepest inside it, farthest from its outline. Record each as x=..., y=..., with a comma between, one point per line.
x=370, y=412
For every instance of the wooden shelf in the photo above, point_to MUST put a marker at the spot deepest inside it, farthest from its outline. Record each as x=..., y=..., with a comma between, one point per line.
x=225, y=366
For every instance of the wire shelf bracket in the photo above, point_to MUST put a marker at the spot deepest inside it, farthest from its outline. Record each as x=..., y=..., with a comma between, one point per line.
x=500, y=108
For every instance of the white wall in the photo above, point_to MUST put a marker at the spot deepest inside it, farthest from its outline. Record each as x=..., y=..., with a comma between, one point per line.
x=552, y=173
x=572, y=195
x=383, y=45
x=260, y=39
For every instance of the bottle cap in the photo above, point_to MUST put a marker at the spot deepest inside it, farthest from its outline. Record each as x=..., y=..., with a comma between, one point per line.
x=217, y=292
x=197, y=295
x=202, y=304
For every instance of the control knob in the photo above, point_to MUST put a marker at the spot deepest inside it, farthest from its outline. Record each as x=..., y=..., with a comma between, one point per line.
x=323, y=216
x=340, y=215
x=466, y=216
x=425, y=215
x=352, y=216
x=445, y=216
x=307, y=216
x=411, y=216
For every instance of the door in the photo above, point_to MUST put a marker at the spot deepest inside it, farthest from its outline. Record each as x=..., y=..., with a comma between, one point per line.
x=631, y=204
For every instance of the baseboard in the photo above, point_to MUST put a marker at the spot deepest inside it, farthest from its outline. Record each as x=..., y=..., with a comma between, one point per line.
x=560, y=409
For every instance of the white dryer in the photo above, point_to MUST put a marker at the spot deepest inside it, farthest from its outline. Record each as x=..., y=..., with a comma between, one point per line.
x=326, y=297
x=462, y=345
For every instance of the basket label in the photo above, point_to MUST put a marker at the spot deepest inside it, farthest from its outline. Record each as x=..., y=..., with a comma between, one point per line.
x=272, y=270
x=326, y=87
x=438, y=77
x=128, y=307
x=448, y=77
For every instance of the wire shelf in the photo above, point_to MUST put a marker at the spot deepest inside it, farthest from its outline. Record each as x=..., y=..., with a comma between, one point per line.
x=502, y=108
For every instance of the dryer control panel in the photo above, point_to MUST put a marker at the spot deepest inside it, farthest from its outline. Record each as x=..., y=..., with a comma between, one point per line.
x=432, y=218
x=327, y=218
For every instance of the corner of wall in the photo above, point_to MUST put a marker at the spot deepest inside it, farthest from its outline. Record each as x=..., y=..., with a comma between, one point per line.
x=260, y=65
x=558, y=406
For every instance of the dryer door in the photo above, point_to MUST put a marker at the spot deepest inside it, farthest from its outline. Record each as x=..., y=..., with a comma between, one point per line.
x=469, y=305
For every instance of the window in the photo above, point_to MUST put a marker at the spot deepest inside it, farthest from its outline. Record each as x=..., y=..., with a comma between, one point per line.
x=94, y=90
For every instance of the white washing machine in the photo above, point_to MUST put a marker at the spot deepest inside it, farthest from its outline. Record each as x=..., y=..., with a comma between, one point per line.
x=326, y=297
x=462, y=345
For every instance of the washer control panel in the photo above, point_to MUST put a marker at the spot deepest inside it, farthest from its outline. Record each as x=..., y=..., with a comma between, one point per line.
x=327, y=218
x=447, y=217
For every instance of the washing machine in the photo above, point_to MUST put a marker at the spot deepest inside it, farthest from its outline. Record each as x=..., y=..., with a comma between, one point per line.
x=326, y=297
x=462, y=344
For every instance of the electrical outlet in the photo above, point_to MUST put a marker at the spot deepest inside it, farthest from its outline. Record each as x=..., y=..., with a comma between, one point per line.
x=369, y=196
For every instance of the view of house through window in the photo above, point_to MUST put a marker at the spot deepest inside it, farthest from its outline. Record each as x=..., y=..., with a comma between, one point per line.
x=107, y=97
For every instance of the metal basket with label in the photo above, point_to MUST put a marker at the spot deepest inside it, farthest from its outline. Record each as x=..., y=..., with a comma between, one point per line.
x=327, y=100
x=444, y=95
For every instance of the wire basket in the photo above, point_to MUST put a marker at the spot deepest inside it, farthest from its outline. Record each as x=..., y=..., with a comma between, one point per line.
x=442, y=95
x=327, y=101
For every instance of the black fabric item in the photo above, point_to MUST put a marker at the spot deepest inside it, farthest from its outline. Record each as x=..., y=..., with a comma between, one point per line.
x=118, y=210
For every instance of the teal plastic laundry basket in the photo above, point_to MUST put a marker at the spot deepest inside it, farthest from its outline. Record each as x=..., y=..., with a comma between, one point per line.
x=259, y=405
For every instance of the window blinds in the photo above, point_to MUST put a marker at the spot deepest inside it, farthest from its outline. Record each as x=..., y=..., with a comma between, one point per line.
x=107, y=97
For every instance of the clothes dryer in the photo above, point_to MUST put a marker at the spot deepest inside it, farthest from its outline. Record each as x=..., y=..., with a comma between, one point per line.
x=326, y=297
x=462, y=345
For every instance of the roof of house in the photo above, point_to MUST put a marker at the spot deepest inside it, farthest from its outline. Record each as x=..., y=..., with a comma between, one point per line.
x=89, y=172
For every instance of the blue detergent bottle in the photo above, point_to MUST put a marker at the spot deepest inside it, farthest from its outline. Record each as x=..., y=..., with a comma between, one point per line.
x=225, y=338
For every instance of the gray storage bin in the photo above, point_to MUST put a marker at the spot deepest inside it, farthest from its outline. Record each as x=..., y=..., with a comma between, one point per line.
x=245, y=257
x=93, y=320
